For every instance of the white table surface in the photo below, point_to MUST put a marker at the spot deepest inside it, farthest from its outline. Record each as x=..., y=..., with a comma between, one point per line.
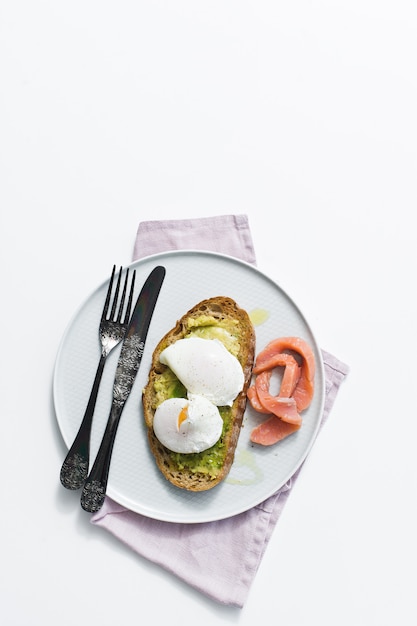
x=301, y=115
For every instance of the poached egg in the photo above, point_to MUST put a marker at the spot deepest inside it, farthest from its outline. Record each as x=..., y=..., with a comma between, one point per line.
x=206, y=368
x=213, y=377
x=187, y=425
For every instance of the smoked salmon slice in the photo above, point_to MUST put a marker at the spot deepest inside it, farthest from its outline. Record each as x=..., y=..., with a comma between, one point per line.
x=296, y=389
x=291, y=373
x=283, y=407
x=290, y=378
x=272, y=430
x=269, y=357
x=252, y=395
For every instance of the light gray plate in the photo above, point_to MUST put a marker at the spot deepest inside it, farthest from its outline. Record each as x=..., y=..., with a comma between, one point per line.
x=134, y=481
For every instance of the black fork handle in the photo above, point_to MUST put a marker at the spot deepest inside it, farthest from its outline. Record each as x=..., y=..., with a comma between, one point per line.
x=74, y=469
x=94, y=490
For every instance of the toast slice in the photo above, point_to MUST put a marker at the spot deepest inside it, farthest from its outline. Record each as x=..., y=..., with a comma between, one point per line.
x=219, y=317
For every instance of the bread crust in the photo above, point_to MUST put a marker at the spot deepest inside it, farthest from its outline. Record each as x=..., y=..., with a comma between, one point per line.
x=221, y=308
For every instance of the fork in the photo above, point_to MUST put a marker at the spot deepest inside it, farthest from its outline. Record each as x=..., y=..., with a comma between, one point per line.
x=112, y=329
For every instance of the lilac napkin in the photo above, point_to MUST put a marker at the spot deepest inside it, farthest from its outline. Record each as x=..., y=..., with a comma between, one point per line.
x=220, y=559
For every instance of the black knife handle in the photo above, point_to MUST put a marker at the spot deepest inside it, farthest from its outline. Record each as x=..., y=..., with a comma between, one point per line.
x=94, y=490
x=74, y=469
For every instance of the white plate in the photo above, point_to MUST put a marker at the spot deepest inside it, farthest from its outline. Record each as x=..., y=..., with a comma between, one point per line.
x=134, y=480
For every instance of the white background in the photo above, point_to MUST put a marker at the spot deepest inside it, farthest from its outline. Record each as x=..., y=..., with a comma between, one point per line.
x=301, y=115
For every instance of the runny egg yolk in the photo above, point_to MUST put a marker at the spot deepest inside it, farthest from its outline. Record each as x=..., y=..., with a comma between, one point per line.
x=182, y=416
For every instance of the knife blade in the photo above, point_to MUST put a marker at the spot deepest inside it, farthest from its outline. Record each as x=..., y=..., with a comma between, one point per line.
x=94, y=490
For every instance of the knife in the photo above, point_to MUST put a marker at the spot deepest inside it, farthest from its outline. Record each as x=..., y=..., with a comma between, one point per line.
x=94, y=490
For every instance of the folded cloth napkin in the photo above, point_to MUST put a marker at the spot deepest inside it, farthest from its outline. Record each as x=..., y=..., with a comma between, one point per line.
x=220, y=559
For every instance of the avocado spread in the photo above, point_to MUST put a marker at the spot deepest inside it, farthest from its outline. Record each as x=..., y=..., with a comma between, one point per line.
x=167, y=386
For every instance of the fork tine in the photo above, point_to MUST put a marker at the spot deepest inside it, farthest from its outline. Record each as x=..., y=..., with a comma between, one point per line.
x=106, y=304
x=129, y=303
x=122, y=299
x=116, y=295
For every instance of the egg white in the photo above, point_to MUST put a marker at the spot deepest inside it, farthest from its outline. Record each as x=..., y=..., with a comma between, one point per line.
x=206, y=368
x=199, y=431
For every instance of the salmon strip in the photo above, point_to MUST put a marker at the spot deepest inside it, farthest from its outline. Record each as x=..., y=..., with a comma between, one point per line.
x=271, y=431
x=291, y=373
x=269, y=356
x=289, y=380
x=284, y=408
x=253, y=398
